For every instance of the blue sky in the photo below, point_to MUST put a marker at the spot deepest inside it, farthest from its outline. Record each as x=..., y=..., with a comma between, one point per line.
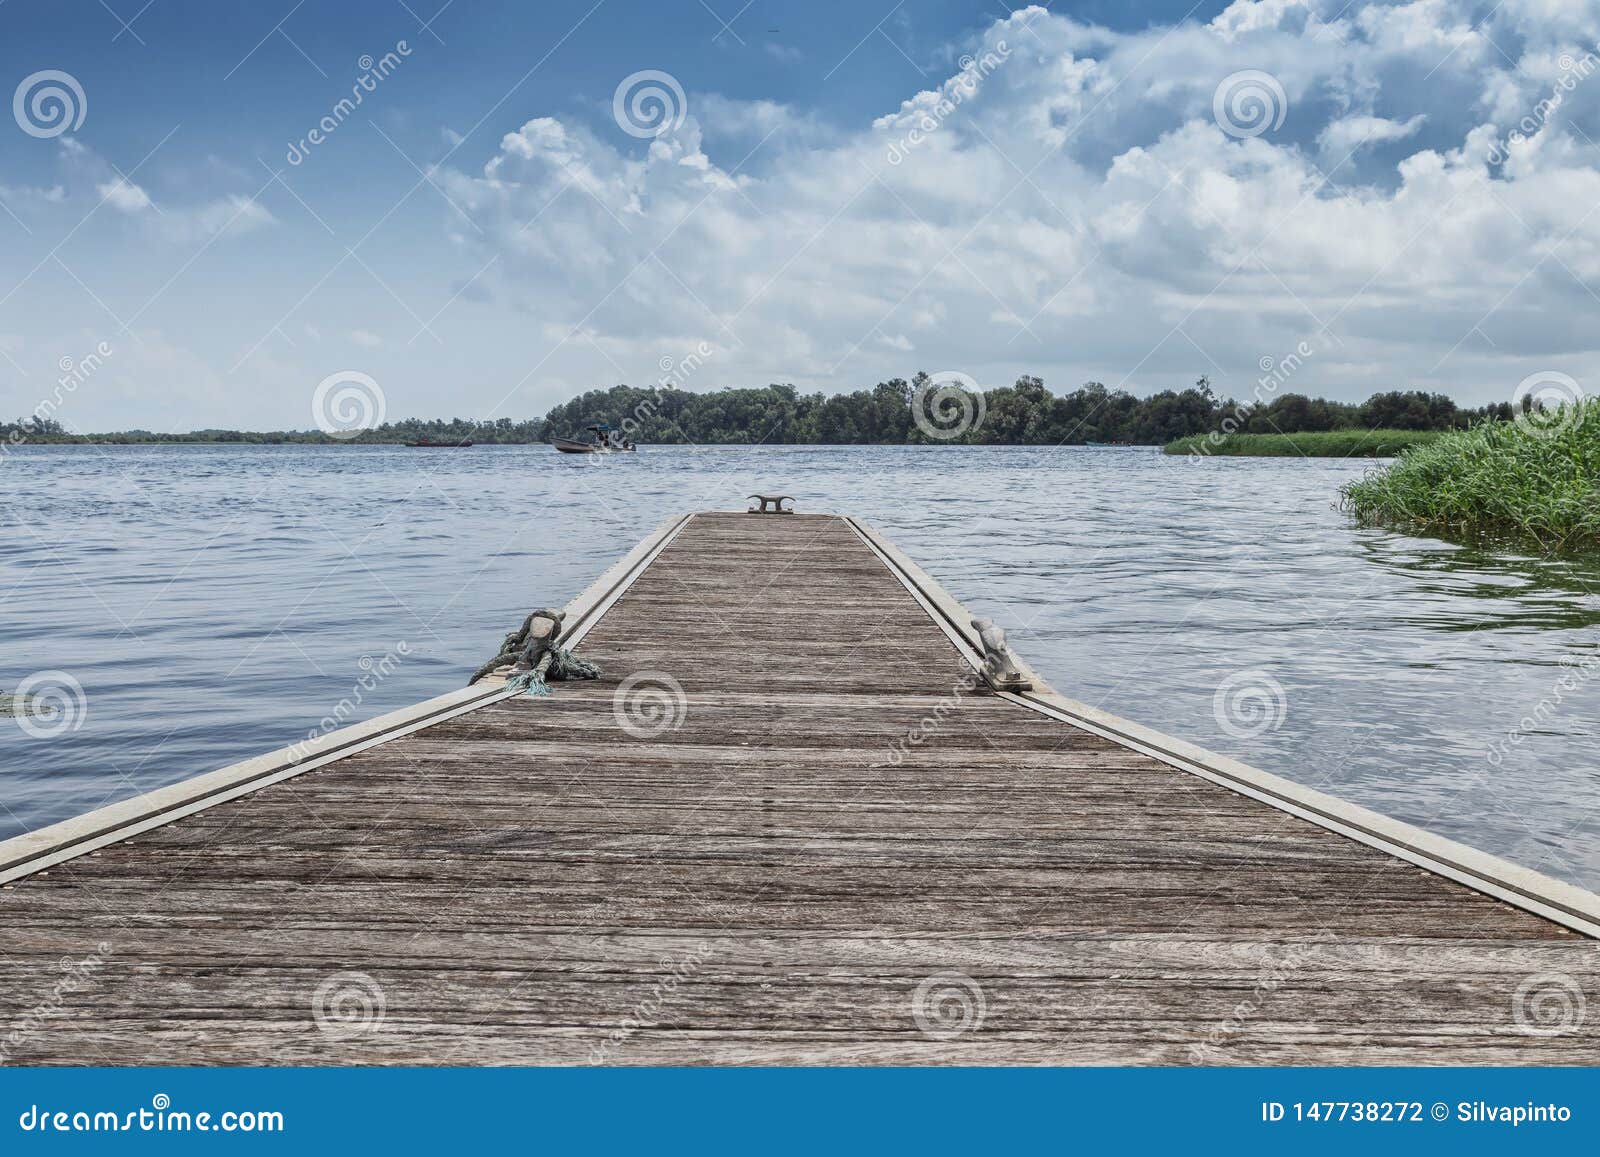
x=482, y=237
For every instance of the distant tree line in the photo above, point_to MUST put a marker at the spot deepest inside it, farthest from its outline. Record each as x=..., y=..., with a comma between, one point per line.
x=409, y=430
x=1022, y=413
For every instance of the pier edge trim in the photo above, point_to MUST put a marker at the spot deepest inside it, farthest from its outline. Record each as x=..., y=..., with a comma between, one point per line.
x=35, y=851
x=1532, y=891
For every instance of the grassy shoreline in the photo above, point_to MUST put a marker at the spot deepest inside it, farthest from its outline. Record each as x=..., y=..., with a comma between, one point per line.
x=1320, y=444
x=1536, y=481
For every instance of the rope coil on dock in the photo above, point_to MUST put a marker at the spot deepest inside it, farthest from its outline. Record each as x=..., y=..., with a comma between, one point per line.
x=532, y=654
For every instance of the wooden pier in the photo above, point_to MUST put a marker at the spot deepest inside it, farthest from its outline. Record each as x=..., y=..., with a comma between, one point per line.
x=788, y=825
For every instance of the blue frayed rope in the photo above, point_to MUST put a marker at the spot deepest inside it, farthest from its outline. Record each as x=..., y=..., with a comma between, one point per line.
x=563, y=664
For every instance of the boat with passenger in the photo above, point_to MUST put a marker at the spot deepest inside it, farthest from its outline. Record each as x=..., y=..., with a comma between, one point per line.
x=603, y=439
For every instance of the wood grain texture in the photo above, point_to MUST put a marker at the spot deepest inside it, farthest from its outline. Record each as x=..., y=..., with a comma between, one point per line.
x=830, y=829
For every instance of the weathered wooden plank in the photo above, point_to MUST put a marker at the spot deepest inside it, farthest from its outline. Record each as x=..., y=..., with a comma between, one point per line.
x=834, y=818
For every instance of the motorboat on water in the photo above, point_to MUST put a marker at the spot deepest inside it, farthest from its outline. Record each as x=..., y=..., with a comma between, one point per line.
x=603, y=439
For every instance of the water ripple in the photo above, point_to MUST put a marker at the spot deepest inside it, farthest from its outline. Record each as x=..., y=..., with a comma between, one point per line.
x=216, y=602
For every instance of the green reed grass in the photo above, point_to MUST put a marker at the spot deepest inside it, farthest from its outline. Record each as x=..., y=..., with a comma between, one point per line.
x=1322, y=444
x=1535, y=480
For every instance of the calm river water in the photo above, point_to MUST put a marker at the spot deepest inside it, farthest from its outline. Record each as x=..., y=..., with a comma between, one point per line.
x=216, y=602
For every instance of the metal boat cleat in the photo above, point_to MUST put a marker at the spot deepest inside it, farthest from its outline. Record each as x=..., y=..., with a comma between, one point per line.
x=771, y=504
x=999, y=664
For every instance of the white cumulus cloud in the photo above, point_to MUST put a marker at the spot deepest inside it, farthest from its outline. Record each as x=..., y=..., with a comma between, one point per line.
x=1067, y=203
x=1347, y=134
x=124, y=196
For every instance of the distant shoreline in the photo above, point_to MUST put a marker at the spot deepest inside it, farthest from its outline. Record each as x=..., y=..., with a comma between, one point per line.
x=332, y=443
x=1320, y=444
x=948, y=410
